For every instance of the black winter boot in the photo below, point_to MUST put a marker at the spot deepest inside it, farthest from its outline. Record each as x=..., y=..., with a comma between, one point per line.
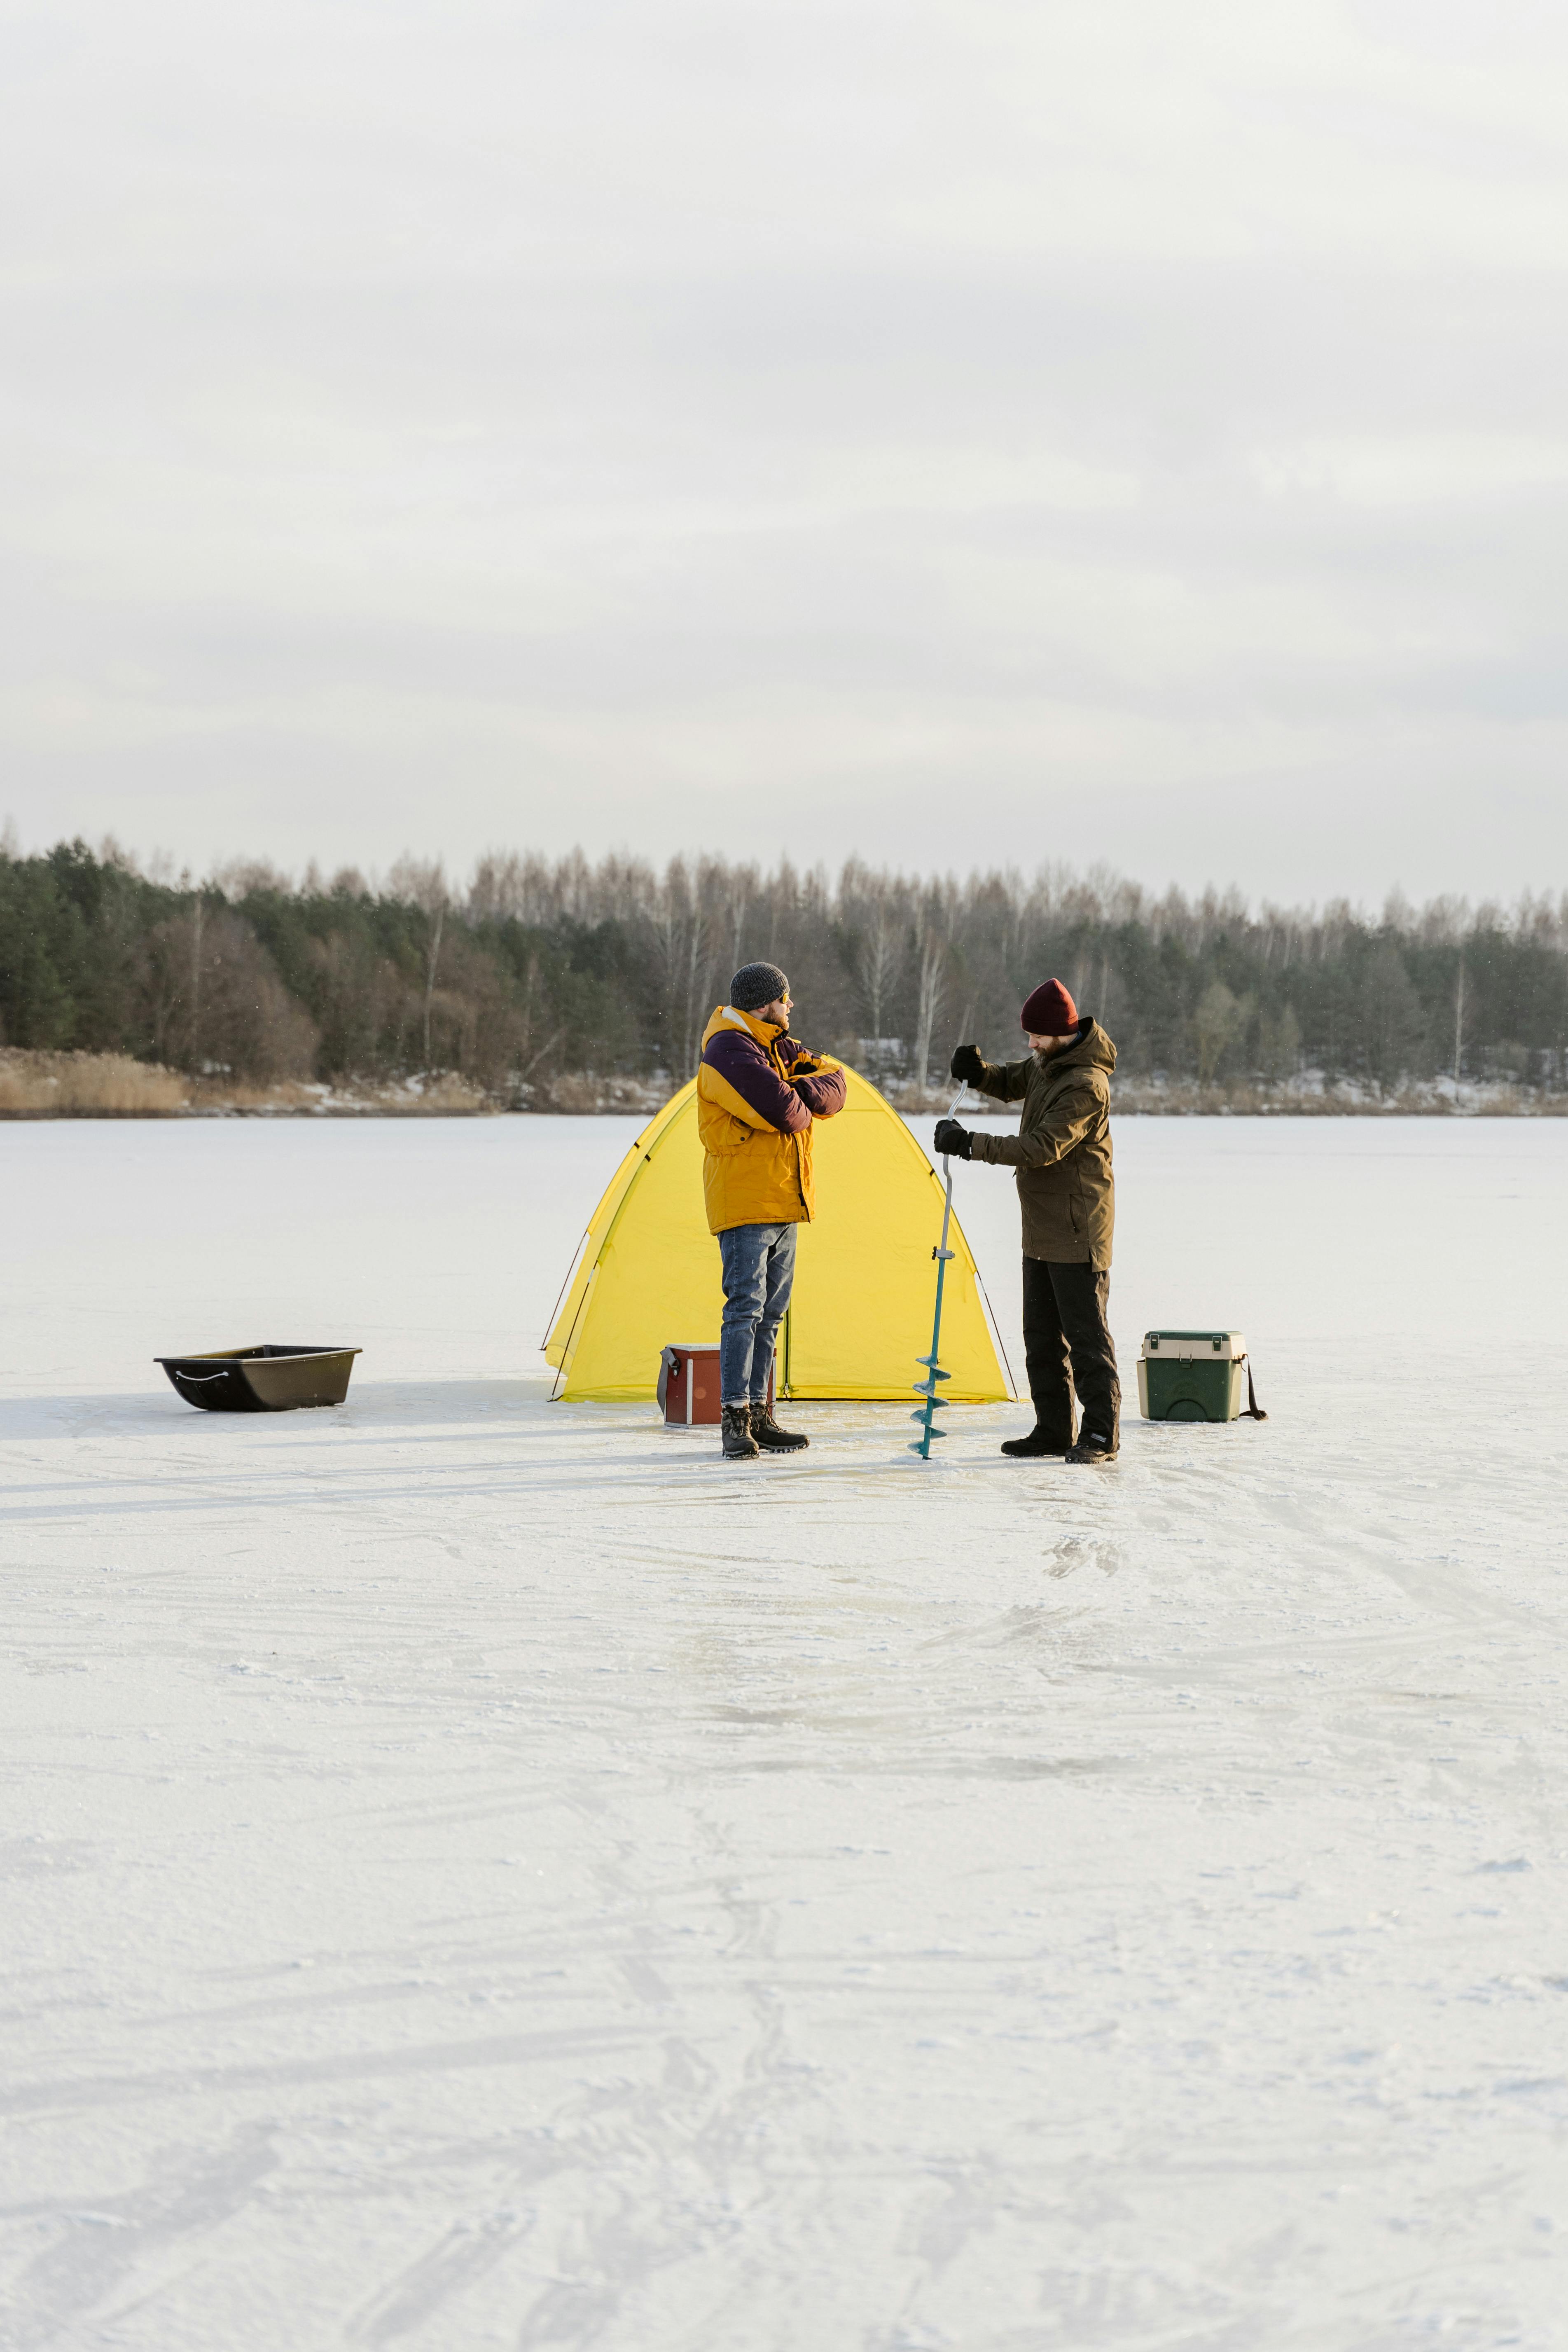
x=769, y=1436
x=735, y=1432
x=1037, y=1443
x=1093, y=1448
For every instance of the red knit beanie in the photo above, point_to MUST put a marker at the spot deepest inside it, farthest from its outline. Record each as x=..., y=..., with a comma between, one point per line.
x=1049, y=1011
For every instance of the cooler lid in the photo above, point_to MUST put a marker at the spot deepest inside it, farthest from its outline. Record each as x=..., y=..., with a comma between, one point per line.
x=1194, y=1346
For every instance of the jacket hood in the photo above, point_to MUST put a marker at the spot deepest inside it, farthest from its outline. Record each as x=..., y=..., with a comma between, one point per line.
x=1094, y=1050
x=724, y=1017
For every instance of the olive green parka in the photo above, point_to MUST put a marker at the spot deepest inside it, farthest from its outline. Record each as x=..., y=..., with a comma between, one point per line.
x=1062, y=1148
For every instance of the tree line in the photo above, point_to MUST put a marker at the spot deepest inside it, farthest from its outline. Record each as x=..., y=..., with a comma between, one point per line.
x=536, y=968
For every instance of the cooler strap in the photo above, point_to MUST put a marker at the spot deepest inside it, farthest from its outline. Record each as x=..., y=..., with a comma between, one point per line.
x=1254, y=1411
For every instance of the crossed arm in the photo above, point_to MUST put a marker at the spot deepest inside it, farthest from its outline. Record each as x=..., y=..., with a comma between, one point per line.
x=820, y=1087
x=745, y=1081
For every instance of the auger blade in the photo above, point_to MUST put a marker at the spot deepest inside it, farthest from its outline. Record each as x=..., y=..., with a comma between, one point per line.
x=926, y=1418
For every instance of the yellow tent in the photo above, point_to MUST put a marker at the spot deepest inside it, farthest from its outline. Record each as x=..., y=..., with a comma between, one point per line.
x=864, y=1285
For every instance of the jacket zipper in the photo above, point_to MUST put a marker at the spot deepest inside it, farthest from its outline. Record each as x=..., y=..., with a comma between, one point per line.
x=777, y=1060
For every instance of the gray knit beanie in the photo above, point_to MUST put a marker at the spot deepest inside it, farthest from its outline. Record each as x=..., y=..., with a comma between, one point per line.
x=756, y=984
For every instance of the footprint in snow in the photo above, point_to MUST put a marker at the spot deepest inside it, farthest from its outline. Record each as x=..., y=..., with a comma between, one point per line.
x=1082, y=1551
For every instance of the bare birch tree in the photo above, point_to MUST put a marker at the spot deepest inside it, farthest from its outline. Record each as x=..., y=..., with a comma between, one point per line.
x=423, y=883
x=684, y=958
x=932, y=975
x=876, y=967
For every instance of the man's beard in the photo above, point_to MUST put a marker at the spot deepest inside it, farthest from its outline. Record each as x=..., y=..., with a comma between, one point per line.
x=1041, y=1058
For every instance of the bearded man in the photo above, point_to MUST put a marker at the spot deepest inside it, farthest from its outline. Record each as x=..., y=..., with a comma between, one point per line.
x=1068, y=1196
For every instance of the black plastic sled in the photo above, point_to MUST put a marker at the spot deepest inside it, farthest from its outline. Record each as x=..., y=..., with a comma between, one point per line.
x=261, y=1379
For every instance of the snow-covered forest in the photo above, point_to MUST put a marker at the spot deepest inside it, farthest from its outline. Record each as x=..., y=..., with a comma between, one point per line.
x=533, y=971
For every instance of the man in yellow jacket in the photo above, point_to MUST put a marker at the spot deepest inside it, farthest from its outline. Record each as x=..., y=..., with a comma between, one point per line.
x=758, y=1092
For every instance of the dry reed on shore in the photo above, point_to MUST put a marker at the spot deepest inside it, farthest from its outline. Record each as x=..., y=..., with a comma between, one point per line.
x=87, y=1085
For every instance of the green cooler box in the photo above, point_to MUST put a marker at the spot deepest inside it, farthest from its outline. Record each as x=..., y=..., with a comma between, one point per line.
x=1191, y=1375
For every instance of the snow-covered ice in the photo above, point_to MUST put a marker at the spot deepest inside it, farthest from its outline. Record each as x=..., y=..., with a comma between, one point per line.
x=480, y=1872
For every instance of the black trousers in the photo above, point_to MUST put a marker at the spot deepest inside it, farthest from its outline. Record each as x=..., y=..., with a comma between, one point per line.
x=1064, y=1324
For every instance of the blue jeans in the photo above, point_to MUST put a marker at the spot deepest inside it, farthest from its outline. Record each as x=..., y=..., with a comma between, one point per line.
x=758, y=1272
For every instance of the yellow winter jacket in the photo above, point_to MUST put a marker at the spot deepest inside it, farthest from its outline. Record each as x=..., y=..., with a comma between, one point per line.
x=758, y=1092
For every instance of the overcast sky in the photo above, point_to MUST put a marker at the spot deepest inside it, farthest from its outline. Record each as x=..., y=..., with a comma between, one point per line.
x=942, y=431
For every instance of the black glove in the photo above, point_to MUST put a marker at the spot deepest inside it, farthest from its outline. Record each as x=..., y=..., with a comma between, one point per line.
x=952, y=1141
x=967, y=1063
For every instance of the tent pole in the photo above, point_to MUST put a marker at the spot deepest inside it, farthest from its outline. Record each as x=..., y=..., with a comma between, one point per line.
x=562, y=1292
x=997, y=1334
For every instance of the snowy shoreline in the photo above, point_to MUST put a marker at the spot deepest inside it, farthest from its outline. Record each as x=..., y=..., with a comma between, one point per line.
x=52, y=1086
x=1552, y=1107
x=1129, y=1101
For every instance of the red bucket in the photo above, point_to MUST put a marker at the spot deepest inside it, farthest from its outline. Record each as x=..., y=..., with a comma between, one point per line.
x=688, y=1387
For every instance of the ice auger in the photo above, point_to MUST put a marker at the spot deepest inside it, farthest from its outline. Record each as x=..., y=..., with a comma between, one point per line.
x=925, y=1418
